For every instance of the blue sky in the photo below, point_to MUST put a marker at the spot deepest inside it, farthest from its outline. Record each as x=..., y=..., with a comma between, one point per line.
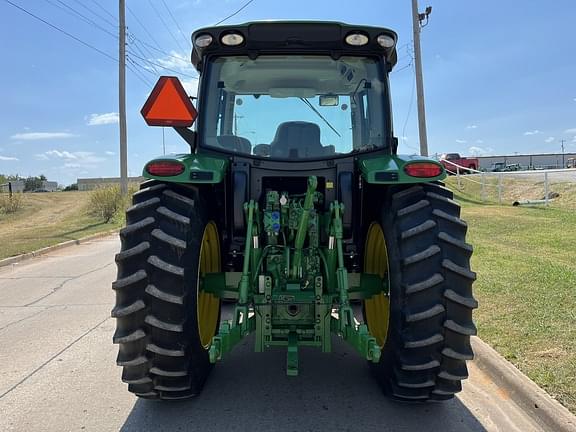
x=500, y=77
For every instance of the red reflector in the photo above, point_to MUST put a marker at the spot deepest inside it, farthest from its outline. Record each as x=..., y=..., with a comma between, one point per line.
x=169, y=105
x=423, y=169
x=165, y=168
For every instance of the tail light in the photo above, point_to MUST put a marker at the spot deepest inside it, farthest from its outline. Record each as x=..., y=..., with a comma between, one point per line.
x=165, y=168
x=423, y=169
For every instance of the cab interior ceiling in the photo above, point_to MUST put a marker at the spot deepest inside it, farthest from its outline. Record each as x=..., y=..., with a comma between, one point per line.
x=291, y=77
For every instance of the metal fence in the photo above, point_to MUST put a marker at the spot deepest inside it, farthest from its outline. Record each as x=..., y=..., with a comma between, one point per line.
x=536, y=187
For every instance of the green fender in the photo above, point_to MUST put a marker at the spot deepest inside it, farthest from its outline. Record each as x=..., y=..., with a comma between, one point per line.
x=198, y=169
x=389, y=169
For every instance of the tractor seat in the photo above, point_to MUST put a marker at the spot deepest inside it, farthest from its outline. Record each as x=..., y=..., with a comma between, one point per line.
x=297, y=139
x=235, y=143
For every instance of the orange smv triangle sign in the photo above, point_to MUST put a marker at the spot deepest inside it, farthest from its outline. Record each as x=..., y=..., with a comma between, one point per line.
x=169, y=105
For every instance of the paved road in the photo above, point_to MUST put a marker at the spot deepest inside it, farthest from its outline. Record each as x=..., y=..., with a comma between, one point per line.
x=58, y=373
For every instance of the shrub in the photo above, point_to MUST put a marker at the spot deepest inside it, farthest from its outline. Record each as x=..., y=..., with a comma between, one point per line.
x=11, y=203
x=106, y=202
x=72, y=187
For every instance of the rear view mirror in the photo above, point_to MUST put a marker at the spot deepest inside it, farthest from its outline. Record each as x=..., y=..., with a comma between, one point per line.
x=329, y=100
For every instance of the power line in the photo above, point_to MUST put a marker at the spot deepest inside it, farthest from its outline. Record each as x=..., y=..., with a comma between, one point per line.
x=161, y=66
x=188, y=41
x=132, y=40
x=143, y=67
x=105, y=10
x=165, y=25
x=138, y=43
x=83, y=17
x=143, y=27
x=61, y=31
x=137, y=73
x=64, y=32
x=106, y=20
x=235, y=13
x=155, y=49
x=403, y=67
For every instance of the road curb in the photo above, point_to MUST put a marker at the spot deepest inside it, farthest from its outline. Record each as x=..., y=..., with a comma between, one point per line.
x=539, y=405
x=19, y=258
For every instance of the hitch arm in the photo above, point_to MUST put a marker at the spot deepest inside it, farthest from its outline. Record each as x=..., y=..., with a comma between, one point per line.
x=303, y=224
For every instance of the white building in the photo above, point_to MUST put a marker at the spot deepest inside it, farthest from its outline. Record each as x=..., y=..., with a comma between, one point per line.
x=93, y=183
x=50, y=186
x=528, y=161
x=15, y=185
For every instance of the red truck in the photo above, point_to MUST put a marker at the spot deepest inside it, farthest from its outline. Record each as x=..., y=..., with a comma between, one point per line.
x=449, y=159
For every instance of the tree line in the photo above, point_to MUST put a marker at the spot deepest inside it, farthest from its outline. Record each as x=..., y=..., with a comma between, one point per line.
x=31, y=183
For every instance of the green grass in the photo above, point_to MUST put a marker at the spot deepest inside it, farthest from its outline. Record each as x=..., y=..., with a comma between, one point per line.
x=514, y=189
x=526, y=264
x=46, y=219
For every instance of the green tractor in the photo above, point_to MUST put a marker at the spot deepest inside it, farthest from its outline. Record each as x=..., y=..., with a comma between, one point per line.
x=293, y=218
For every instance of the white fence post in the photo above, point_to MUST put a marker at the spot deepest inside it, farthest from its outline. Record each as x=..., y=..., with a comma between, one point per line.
x=546, y=188
x=482, y=188
x=500, y=188
x=458, y=176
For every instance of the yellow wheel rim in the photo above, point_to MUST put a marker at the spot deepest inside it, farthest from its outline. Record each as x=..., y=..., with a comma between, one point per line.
x=208, y=305
x=377, y=308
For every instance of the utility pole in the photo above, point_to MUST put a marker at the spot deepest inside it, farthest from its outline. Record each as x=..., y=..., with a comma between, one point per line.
x=562, y=144
x=417, y=18
x=122, y=98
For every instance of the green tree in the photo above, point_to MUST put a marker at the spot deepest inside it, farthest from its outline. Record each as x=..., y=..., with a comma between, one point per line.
x=32, y=184
x=72, y=187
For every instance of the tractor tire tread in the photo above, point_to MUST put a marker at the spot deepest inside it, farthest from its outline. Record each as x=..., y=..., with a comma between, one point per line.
x=428, y=344
x=159, y=345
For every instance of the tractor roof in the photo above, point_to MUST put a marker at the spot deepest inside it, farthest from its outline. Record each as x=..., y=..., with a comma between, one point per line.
x=293, y=37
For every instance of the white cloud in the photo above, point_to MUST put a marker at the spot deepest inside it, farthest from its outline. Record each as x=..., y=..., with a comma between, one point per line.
x=479, y=141
x=8, y=158
x=175, y=61
x=179, y=63
x=460, y=141
x=110, y=153
x=35, y=136
x=79, y=157
x=480, y=151
x=549, y=140
x=102, y=119
x=191, y=86
x=532, y=132
x=60, y=154
x=72, y=165
x=570, y=131
x=88, y=157
x=472, y=126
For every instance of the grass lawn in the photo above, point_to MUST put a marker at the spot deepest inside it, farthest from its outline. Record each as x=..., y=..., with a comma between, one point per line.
x=526, y=264
x=47, y=219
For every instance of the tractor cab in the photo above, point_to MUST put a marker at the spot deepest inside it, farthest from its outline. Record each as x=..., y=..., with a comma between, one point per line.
x=294, y=91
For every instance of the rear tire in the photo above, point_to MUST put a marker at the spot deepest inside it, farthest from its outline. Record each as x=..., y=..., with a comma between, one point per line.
x=430, y=320
x=163, y=348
